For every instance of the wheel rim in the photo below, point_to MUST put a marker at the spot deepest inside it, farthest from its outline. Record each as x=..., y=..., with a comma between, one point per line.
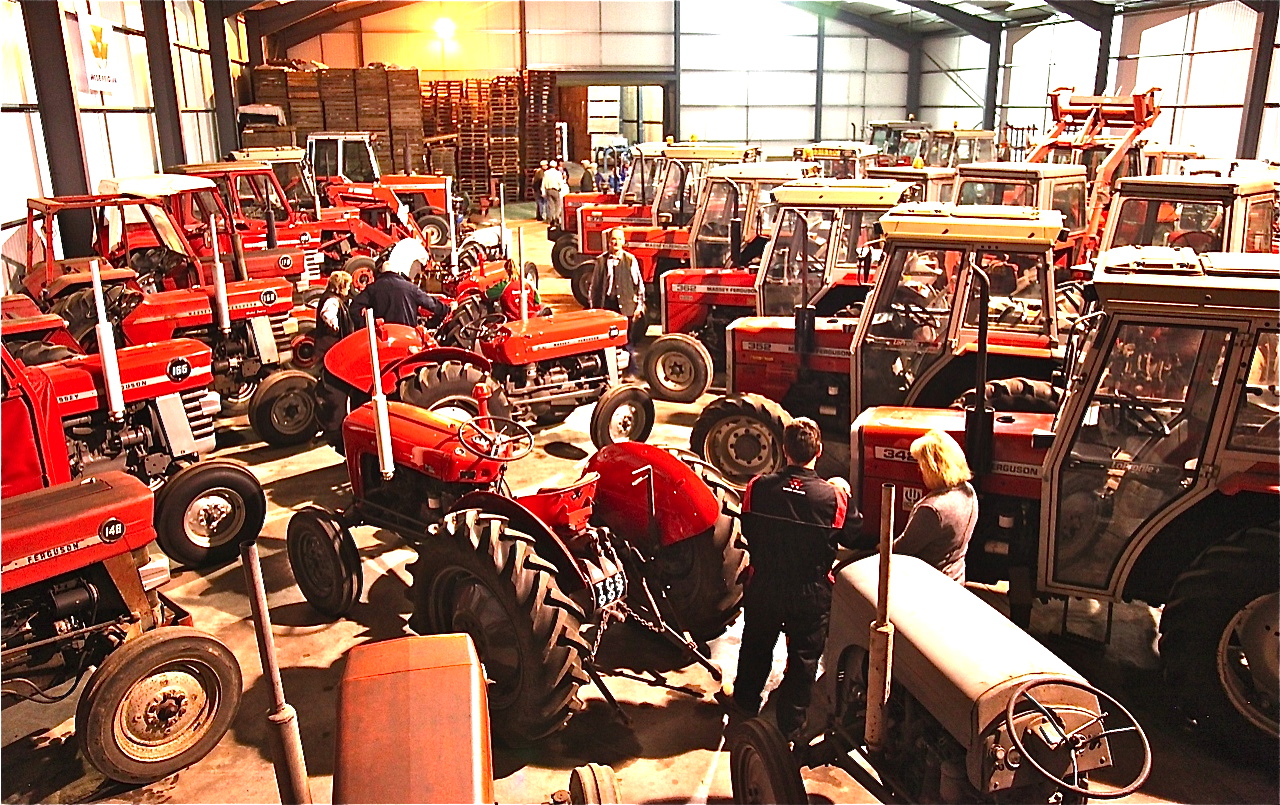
x=304, y=351
x=213, y=518
x=468, y=605
x=741, y=447
x=673, y=371
x=318, y=562
x=752, y=775
x=435, y=236
x=1246, y=660
x=166, y=712
x=293, y=411
x=624, y=422
x=457, y=406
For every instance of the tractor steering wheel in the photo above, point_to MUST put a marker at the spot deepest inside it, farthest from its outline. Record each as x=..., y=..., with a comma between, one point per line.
x=484, y=328
x=1197, y=240
x=1085, y=732
x=1143, y=416
x=489, y=443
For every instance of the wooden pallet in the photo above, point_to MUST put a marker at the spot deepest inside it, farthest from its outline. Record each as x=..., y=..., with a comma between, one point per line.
x=303, y=84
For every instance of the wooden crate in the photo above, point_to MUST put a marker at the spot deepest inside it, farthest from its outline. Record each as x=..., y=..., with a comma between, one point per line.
x=268, y=136
x=340, y=115
x=303, y=84
x=269, y=85
x=307, y=114
x=338, y=85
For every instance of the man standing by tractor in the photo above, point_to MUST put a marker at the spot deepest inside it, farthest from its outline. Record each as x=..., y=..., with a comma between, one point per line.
x=792, y=520
x=539, y=196
x=553, y=187
x=392, y=296
x=617, y=285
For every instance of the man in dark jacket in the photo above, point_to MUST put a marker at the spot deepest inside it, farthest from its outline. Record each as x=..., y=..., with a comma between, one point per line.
x=792, y=520
x=616, y=284
x=392, y=296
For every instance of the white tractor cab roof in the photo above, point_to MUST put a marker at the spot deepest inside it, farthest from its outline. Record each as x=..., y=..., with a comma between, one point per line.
x=723, y=152
x=154, y=185
x=842, y=192
x=748, y=171
x=833, y=148
x=1162, y=278
x=1201, y=213
x=979, y=223
x=932, y=184
x=282, y=153
x=1047, y=185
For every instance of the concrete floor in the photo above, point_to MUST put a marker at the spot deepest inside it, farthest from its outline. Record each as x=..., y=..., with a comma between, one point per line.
x=673, y=751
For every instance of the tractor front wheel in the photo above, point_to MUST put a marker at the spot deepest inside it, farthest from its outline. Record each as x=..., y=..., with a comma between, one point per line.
x=593, y=784
x=678, y=368
x=434, y=227
x=622, y=414
x=477, y=574
x=324, y=561
x=205, y=511
x=158, y=704
x=361, y=270
x=283, y=409
x=580, y=283
x=1218, y=637
x=741, y=436
x=565, y=257
x=703, y=575
x=762, y=768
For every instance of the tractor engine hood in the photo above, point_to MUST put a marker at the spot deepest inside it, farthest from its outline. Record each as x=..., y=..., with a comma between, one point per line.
x=561, y=335
x=160, y=314
x=147, y=372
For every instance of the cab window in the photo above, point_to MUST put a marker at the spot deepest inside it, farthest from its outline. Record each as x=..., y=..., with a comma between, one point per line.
x=356, y=164
x=1196, y=225
x=1068, y=199
x=1017, y=291
x=1260, y=228
x=1008, y=194
x=713, y=232
x=1257, y=422
x=324, y=157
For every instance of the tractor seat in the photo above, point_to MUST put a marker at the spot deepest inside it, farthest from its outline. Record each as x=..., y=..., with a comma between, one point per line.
x=566, y=508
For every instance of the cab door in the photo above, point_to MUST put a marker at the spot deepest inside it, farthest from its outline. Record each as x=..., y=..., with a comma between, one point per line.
x=795, y=260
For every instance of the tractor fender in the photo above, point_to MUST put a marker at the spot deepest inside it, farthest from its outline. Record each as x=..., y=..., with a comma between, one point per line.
x=550, y=546
x=404, y=367
x=685, y=505
x=349, y=360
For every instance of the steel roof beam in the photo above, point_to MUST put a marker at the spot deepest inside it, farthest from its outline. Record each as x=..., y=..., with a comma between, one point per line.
x=894, y=35
x=1101, y=18
x=274, y=19
x=230, y=8
x=983, y=29
x=330, y=18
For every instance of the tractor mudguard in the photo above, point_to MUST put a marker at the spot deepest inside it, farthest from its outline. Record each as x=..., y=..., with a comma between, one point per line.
x=685, y=505
x=408, y=365
x=348, y=360
x=550, y=546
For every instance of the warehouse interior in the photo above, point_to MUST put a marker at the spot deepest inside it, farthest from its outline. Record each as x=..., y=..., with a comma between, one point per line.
x=263, y=570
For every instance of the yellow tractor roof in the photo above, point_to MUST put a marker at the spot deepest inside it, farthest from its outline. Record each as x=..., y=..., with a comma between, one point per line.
x=699, y=150
x=783, y=171
x=841, y=192
x=1019, y=170
x=1240, y=185
x=154, y=185
x=836, y=148
x=273, y=153
x=1009, y=226
x=980, y=134
x=1160, y=276
x=909, y=174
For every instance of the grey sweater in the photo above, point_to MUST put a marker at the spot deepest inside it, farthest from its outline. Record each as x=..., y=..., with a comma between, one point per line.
x=939, y=529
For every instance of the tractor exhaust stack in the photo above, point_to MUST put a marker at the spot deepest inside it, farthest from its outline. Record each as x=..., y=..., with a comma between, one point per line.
x=979, y=419
x=107, y=348
x=453, y=230
x=381, y=418
x=880, y=665
x=221, y=308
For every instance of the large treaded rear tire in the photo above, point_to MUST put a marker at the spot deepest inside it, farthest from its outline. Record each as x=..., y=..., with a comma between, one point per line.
x=1019, y=394
x=38, y=353
x=741, y=436
x=449, y=388
x=477, y=574
x=1202, y=665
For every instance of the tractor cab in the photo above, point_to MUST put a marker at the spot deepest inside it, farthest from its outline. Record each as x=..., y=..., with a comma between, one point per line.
x=931, y=184
x=289, y=165
x=587, y=216
x=1061, y=187
x=898, y=142
x=819, y=251
x=687, y=164
x=1202, y=213
x=840, y=159
x=342, y=157
x=917, y=336
x=951, y=147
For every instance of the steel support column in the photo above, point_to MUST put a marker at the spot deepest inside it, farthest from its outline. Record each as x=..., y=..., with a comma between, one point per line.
x=993, y=83
x=59, y=119
x=673, y=100
x=915, y=79
x=164, y=90
x=1259, y=74
x=817, y=78
x=1101, y=18
x=253, y=32
x=223, y=92
x=1101, y=75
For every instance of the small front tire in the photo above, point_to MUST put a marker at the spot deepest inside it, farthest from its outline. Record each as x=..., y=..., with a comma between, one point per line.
x=324, y=561
x=678, y=368
x=205, y=511
x=283, y=409
x=761, y=766
x=580, y=284
x=622, y=414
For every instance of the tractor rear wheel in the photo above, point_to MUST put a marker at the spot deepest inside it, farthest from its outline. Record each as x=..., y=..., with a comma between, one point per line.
x=622, y=414
x=434, y=227
x=678, y=368
x=158, y=704
x=741, y=436
x=1017, y=394
x=283, y=409
x=477, y=574
x=449, y=388
x=762, y=768
x=580, y=283
x=1218, y=637
x=593, y=784
x=38, y=353
x=361, y=270
x=206, y=510
x=81, y=312
x=565, y=257
x=703, y=575
x=324, y=561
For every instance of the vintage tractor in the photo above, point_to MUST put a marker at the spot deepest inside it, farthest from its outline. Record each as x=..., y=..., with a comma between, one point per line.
x=147, y=410
x=1202, y=213
x=949, y=148
x=727, y=280
x=946, y=700
x=1155, y=480
x=287, y=162
x=153, y=294
x=932, y=184
x=80, y=593
x=675, y=191
x=644, y=533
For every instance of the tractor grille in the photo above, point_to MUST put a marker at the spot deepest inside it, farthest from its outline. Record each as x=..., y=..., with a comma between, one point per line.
x=284, y=341
x=201, y=421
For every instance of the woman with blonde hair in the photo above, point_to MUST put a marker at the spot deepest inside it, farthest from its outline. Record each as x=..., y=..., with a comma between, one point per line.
x=941, y=522
x=333, y=323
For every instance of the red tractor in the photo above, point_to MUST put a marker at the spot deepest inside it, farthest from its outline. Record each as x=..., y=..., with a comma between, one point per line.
x=80, y=592
x=534, y=579
x=728, y=280
x=1154, y=480
x=913, y=332
x=152, y=294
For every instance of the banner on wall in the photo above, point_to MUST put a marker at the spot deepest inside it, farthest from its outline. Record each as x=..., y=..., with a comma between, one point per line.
x=98, y=37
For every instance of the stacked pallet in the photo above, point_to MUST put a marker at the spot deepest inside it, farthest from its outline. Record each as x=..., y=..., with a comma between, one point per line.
x=271, y=86
x=441, y=107
x=305, y=110
x=473, y=138
x=373, y=111
x=338, y=95
x=404, y=98
x=539, y=122
x=504, y=132
x=268, y=136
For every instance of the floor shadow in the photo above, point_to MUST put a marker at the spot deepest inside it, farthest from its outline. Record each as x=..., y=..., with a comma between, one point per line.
x=564, y=450
x=321, y=485
x=313, y=692
x=37, y=769
x=683, y=418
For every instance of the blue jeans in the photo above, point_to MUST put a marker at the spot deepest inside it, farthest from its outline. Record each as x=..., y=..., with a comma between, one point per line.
x=542, y=205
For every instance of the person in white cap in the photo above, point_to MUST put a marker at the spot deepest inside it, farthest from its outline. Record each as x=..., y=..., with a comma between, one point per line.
x=392, y=295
